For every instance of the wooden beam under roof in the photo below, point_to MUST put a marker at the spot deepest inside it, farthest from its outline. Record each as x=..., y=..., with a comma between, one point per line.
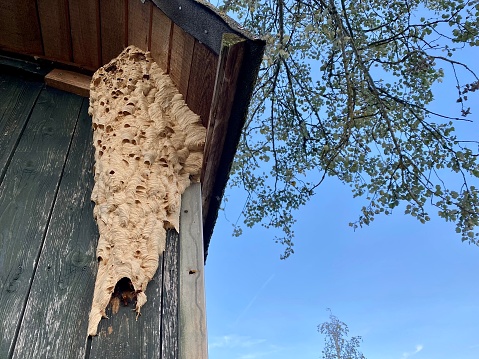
x=69, y=81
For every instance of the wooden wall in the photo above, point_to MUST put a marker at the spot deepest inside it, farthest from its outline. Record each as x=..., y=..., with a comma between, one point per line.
x=216, y=81
x=89, y=33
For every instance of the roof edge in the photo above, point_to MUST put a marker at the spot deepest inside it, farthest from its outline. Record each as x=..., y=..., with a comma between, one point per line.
x=246, y=82
x=203, y=21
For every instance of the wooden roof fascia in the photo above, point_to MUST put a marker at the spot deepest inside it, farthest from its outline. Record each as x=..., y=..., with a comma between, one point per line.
x=252, y=57
x=227, y=77
x=202, y=21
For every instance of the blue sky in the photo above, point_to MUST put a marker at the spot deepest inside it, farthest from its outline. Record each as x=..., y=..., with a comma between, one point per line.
x=410, y=290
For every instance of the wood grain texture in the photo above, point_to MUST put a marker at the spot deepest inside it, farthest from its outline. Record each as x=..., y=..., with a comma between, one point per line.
x=139, y=20
x=20, y=27
x=113, y=15
x=202, y=81
x=230, y=61
x=160, y=38
x=193, y=342
x=69, y=81
x=124, y=336
x=17, y=98
x=55, y=26
x=60, y=297
x=85, y=30
x=169, y=310
x=26, y=200
x=181, y=54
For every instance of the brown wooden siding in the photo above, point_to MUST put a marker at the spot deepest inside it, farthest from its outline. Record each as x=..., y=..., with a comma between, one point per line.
x=89, y=33
x=139, y=23
x=55, y=19
x=181, y=54
x=85, y=31
x=20, y=28
x=160, y=38
x=201, y=83
x=113, y=16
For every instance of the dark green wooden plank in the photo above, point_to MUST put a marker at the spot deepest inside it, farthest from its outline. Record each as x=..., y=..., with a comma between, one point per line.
x=34, y=68
x=169, y=310
x=56, y=316
x=17, y=98
x=26, y=200
x=122, y=336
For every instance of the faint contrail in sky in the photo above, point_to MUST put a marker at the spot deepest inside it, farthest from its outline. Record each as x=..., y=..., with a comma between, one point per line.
x=254, y=298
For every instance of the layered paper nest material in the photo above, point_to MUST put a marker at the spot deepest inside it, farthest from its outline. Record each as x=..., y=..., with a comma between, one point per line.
x=148, y=149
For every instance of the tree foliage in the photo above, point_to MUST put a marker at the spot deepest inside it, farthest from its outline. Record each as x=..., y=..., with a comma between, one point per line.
x=343, y=91
x=336, y=342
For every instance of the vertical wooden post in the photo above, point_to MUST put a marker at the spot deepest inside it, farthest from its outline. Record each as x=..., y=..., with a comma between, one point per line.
x=193, y=342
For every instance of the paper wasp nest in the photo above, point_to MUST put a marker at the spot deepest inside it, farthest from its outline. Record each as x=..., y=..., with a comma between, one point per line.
x=148, y=148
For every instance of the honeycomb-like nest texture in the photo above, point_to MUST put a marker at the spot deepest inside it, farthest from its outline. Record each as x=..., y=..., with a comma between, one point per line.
x=148, y=149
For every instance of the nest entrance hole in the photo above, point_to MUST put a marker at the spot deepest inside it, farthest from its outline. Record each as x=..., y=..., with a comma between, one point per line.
x=124, y=294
